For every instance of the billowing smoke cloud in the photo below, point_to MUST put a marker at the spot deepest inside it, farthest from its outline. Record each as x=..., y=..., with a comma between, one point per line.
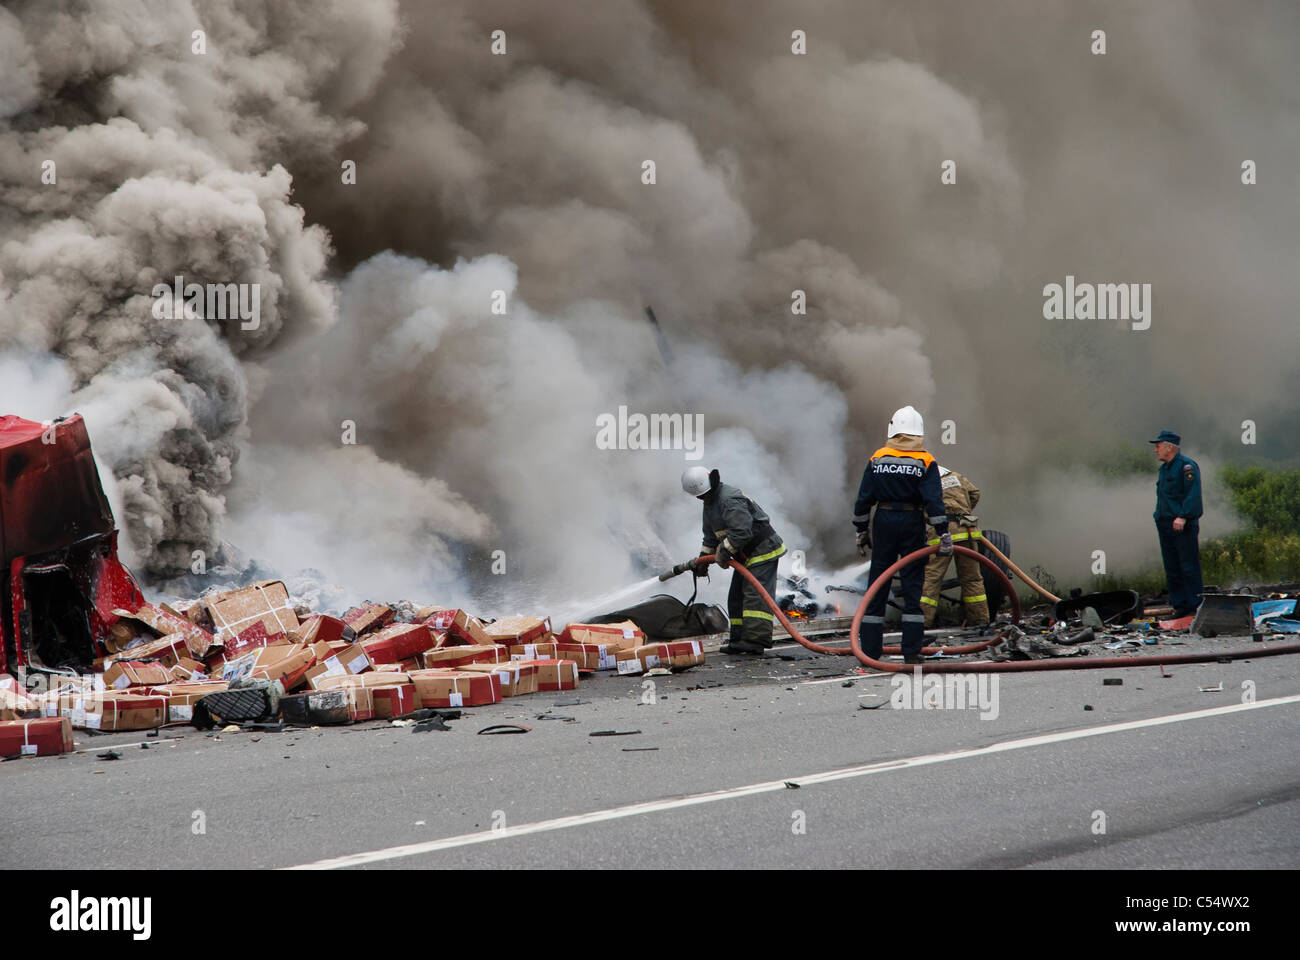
x=516, y=181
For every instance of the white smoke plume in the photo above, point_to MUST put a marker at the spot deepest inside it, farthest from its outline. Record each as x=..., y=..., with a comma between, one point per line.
x=522, y=174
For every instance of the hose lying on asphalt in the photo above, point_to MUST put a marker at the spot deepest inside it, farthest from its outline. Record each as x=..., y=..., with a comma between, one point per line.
x=847, y=651
x=1015, y=666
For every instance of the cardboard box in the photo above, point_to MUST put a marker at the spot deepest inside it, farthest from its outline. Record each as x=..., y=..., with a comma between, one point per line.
x=35, y=738
x=677, y=655
x=451, y=657
x=455, y=688
x=320, y=628
x=181, y=697
x=290, y=668
x=162, y=621
x=622, y=636
x=457, y=627
x=16, y=705
x=554, y=674
x=364, y=680
x=267, y=603
x=589, y=656
x=517, y=678
x=397, y=642
x=128, y=673
x=394, y=701
x=250, y=638
x=121, y=711
x=189, y=670
x=424, y=613
x=513, y=631
x=368, y=617
x=533, y=651
x=169, y=650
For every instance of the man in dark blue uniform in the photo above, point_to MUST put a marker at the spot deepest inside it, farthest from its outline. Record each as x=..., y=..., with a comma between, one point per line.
x=902, y=482
x=1177, y=516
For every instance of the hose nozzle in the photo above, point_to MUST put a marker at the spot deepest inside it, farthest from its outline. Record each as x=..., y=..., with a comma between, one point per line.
x=676, y=571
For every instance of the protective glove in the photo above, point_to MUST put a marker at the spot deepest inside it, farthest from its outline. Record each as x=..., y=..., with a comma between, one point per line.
x=700, y=566
x=945, y=545
x=721, y=555
x=864, y=542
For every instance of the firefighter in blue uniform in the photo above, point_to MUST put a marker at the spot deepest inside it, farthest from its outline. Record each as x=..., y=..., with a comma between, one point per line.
x=737, y=529
x=902, y=482
x=1177, y=516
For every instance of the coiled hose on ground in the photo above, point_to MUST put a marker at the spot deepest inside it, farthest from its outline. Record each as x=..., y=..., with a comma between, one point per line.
x=1069, y=663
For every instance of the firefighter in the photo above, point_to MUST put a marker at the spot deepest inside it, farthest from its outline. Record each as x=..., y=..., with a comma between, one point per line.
x=959, y=499
x=737, y=529
x=1177, y=516
x=902, y=482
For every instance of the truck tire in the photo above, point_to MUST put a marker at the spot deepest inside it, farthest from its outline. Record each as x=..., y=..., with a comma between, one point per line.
x=993, y=588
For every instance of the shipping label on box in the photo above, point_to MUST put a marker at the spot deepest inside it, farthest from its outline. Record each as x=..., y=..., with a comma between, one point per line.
x=639, y=660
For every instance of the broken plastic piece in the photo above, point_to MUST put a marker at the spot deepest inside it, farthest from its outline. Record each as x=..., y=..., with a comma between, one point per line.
x=638, y=749
x=506, y=728
x=612, y=733
x=1217, y=688
x=1112, y=682
x=110, y=755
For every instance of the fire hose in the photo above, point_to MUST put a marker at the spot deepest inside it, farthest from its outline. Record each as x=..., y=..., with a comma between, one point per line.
x=1015, y=666
x=1018, y=572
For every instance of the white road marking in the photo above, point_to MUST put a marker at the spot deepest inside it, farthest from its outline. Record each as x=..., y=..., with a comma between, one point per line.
x=771, y=786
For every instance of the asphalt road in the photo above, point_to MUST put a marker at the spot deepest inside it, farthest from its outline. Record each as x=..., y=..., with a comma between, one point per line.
x=703, y=782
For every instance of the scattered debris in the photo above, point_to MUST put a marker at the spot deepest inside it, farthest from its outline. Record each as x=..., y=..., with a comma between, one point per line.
x=638, y=749
x=791, y=785
x=505, y=728
x=1112, y=682
x=613, y=733
x=109, y=755
x=1217, y=688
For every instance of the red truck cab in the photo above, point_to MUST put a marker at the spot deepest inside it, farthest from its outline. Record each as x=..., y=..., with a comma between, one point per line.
x=60, y=577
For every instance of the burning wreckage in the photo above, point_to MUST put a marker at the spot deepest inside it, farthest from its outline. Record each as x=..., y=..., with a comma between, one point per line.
x=82, y=648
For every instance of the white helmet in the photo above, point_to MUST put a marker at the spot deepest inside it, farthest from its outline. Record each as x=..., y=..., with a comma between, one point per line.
x=906, y=420
x=695, y=481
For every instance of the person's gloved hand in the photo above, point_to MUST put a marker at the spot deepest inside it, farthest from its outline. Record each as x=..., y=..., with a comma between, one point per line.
x=700, y=566
x=864, y=542
x=945, y=545
x=721, y=555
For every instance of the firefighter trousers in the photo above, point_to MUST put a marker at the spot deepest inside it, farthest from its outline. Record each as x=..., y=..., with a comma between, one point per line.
x=895, y=533
x=751, y=618
x=974, y=601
